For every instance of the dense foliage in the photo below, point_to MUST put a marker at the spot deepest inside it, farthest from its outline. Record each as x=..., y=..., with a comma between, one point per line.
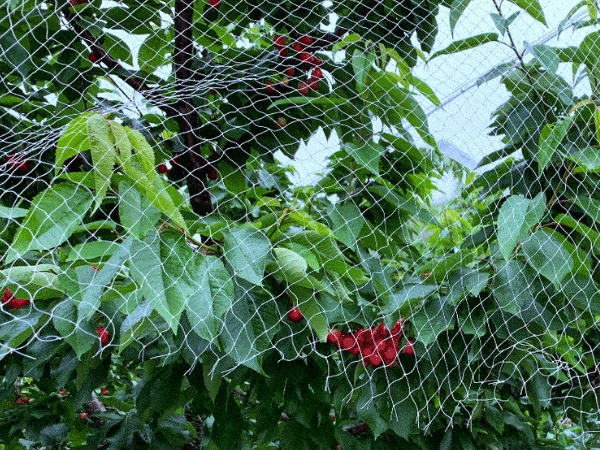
x=167, y=286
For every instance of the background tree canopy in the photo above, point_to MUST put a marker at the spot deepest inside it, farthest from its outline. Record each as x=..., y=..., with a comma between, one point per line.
x=166, y=285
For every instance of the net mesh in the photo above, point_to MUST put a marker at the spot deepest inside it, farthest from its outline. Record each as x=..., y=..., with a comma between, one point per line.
x=230, y=182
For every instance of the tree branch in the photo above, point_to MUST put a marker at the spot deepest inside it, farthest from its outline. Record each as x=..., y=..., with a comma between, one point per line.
x=183, y=59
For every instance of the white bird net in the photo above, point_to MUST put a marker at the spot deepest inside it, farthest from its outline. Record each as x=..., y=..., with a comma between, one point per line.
x=238, y=187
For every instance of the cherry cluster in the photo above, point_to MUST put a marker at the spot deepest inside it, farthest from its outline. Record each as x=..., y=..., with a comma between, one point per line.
x=302, y=61
x=11, y=302
x=376, y=345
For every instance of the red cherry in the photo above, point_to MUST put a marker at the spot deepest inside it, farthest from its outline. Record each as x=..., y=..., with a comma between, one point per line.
x=215, y=3
x=381, y=331
x=77, y=2
x=162, y=168
x=313, y=83
x=84, y=416
x=283, y=52
x=104, y=391
x=7, y=296
x=409, y=348
x=23, y=400
x=295, y=315
x=354, y=350
x=17, y=161
x=317, y=73
x=104, y=335
x=397, y=329
x=335, y=337
x=62, y=392
x=348, y=342
x=306, y=40
x=297, y=47
x=93, y=58
x=375, y=359
x=270, y=87
x=213, y=174
x=303, y=88
x=305, y=57
x=278, y=42
x=289, y=72
x=16, y=303
x=315, y=61
x=95, y=269
x=389, y=355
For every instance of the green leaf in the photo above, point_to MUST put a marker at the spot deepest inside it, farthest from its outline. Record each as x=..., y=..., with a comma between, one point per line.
x=52, y=217
x=582, y=292
x=291, y=264
x=15, y=54
x=104, y=154
x=495, y=72
x=147, y=271
x=586, y=232
x=404, y=414
x=117, y=48
x=190, y=280
x=78, y=334
x=135, y=324
x=407, y=298
x=311, y=310
x=408, y=205
x=327, y=102
x=212, y=381
x=590, y=206
x=240, y=340
x=439, y=269
x=153, y=51
x=502, y=23
x=136, y=212
x=408, y=107
x=13, y=333
x=432, y=319
x=366, y=155
x=546, y=56
x=515, y=219
x=466, y=44
x=221, y=286
x=456, y=10
x=512, y=288
x=74, y=139
x=587, y=160
x=426, y=90
x=362, y=63
x=89, y=251
x=92, y=291
x=40, y=280
x=347, y=222
x=12, y=213
x=196, y=294
x=548, y=256
x=366, y=410
x=550, y=139
x=143, y=151
x=465, y=282
x=247, y=251
x=533, y=8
